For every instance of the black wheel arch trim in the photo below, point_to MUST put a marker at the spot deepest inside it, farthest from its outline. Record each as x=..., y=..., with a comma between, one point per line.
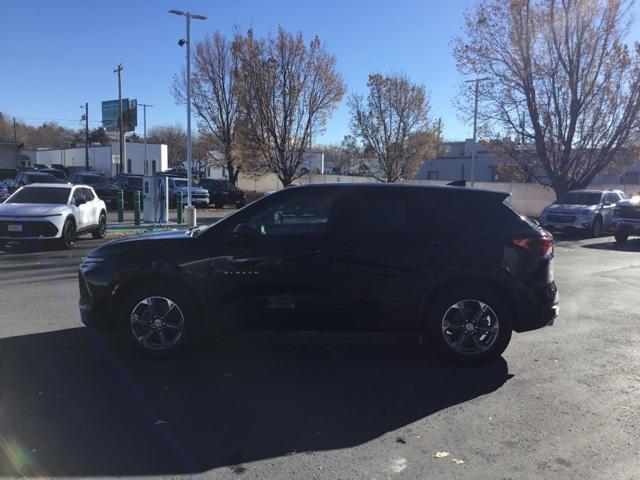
x=473, y=276
x=127, y=284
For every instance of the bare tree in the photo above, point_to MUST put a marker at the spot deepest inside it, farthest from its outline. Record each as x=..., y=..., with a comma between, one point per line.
x=561, y=79
x=214, y=99
x=287, y=91
x=175, y=137
x=392, y=126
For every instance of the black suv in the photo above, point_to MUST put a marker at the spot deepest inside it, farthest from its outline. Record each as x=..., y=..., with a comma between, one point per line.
x=456, y=265
x=129, y=183
x=222, y=193
x=106, y=190
x=32, y=176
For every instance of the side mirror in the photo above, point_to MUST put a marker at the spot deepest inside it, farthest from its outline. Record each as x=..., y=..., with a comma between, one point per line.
x=79, y=201
x=243, y=235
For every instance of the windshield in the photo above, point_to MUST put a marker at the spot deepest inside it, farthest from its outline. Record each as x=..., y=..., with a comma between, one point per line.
x=48, y=195
x=90, y=179
x=580, y=198
x=180, y=183
x=43, y=179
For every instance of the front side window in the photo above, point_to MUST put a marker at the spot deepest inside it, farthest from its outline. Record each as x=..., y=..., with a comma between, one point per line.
x=292, y=215
x=88, y=194
x=77, y=194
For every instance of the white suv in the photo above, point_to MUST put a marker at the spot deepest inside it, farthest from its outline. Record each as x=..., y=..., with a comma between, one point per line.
x=54, y=212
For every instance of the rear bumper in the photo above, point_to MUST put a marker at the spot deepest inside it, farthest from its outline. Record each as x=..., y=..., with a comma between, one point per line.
x=539, y=311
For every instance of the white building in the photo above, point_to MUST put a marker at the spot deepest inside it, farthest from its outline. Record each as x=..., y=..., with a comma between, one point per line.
x=104, y=159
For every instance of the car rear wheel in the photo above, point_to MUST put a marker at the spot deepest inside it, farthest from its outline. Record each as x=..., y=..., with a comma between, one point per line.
x=470, y=325
x=621, y=237
x=68, y=237
x=158, y=321
x=101, y=229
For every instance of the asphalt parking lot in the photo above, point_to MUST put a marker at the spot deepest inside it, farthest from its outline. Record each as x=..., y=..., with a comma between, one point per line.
x=563, y=402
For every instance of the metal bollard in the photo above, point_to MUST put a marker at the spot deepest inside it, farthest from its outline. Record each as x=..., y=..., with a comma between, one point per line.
x=120, y=206
x=136, y=207
x=179, y=207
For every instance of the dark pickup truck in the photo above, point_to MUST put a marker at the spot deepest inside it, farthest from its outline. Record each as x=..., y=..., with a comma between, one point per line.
x=221, y=193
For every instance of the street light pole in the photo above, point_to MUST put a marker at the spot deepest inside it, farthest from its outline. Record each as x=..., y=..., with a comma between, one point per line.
x=144, y=116
x=190, y=214
x=474, y=152
x=117, y=70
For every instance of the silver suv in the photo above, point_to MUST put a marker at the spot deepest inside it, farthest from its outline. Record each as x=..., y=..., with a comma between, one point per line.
x=586, y=210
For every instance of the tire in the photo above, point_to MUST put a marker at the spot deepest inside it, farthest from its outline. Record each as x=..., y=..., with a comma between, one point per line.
x=68, y=237
x=455, y=330
x=101, y=229
x=218, y=204
x=621, y=237
x=176, y=317
x=596, y=227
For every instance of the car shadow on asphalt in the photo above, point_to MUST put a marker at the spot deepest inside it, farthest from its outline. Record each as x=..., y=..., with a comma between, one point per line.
x=74, y=403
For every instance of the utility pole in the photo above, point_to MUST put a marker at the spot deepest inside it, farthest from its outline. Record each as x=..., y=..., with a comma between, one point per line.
x=86, y=135
x=144, y=116
x=15, y=135
x=118, y=70
x=474, y=152
x=190, y=213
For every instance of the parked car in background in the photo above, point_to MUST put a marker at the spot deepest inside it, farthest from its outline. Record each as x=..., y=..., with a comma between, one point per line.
x=4, y=190
x=129, y=183
x=53, y=212
x=8, y=173
x=59, y=174
x=222, y=193
x=590, y=211
x=457, y=265
x=199, y=196
x=33, y=176
x=626, y=219
x=106, y=189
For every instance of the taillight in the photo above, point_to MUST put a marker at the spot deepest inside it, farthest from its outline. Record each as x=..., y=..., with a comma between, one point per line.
x=542, y=246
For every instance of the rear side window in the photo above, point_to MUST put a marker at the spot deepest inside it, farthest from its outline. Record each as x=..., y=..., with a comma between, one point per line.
x=366, y=212
x=459, y=214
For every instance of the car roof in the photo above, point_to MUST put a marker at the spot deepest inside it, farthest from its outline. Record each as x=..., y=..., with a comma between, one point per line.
x=404, y=186
x=50, y=185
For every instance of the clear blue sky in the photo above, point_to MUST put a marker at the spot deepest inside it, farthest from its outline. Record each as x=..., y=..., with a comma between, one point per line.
x=59, y=54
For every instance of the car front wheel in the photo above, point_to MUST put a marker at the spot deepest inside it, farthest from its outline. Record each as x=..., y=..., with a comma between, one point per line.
x=470, y=325
x=68, y=236
x=621, y=237
x=158, y=321
x=101, y=229
x=596, y=227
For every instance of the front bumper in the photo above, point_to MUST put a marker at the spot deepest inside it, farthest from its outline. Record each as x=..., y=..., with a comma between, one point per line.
x=630, y=226
x=30, y=228
x=96, y=297
x=559, y=222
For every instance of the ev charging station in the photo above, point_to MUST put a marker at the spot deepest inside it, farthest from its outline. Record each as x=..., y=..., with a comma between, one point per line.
x=155, y=199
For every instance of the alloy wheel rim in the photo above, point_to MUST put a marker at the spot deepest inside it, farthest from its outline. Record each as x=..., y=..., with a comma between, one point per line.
x=470, y=327
x=157, y=323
